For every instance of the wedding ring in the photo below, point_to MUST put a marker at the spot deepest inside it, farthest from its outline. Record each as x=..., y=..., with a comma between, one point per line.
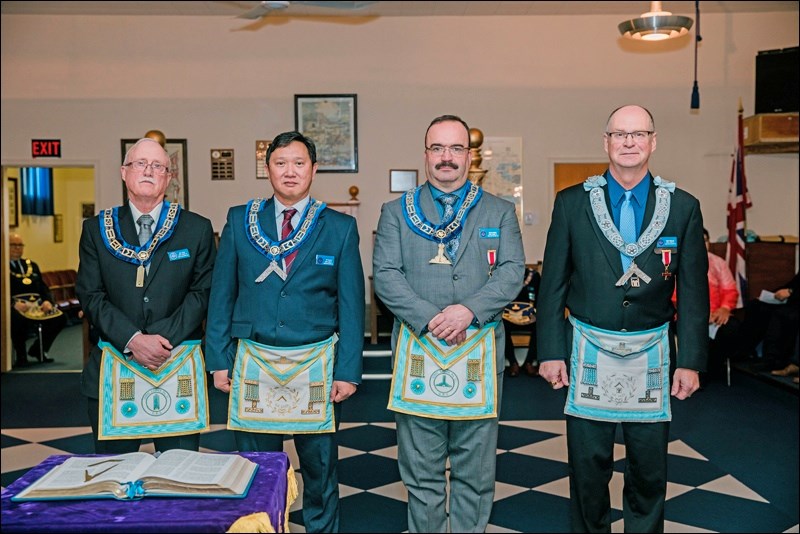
x=554, y=384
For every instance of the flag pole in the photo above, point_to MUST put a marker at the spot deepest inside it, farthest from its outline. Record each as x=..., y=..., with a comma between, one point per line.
x=738, y=202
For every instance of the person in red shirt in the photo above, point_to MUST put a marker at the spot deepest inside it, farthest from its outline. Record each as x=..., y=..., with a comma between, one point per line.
x=723, y=327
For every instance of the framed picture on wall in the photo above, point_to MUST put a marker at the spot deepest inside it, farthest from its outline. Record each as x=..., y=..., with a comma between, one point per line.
x=87, y=209
x=178, y=187
x=13, y=204
x=330, y=121
x=58, y=228
x=401, y=180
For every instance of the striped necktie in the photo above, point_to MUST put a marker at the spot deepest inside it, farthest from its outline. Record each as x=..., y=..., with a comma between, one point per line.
x=286, y=231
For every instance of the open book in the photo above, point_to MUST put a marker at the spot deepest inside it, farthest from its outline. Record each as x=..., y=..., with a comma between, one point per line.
x=175, y=473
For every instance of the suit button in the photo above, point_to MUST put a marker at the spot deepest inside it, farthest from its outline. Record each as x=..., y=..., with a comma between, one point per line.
x=455, y=277
x=146, y=299
x=281, y=324
x=626, y=303
x=283, y=293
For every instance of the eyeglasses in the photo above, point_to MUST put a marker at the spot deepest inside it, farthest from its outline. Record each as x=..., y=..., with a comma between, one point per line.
x=638, y=135
x=16, y=244
x=140, y=165
x=455, y=150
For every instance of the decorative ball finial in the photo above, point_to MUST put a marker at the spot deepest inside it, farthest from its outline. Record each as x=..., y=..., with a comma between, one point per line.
x=476, y=174
x=157, y=135
x=475, y=138
x=353, y=192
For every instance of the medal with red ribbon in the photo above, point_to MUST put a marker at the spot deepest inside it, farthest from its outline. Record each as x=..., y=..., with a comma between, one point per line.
x=491, y=257
x=666, y=259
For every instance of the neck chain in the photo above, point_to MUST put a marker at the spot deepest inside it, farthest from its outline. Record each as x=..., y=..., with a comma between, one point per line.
x=417, y=221
x=606, y=224
x=25, y=272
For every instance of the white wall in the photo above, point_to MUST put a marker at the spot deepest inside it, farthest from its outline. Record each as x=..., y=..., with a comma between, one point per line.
x=223, y=83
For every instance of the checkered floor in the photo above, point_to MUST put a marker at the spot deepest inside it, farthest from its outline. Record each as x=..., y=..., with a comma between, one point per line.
x=532, y=487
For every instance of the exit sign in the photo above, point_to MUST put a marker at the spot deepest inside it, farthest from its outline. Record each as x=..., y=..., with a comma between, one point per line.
x=46, y=148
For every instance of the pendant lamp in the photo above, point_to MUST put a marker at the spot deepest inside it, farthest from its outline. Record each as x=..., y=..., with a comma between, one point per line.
x=655, y=25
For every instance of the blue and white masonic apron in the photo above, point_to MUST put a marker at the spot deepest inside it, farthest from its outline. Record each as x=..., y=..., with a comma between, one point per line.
x=280, y=390
x=433, y=379
x=136, y=402
x=619, y=376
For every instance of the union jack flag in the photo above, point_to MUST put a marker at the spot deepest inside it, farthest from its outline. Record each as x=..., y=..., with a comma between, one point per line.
x=738, y=202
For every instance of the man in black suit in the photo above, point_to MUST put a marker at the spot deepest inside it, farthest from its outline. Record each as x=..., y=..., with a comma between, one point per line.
x=618, y=245
x=32, y=306
x=144, y=280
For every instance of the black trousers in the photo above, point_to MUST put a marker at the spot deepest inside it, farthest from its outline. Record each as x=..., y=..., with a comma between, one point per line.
x=590, y=445
x=774, y=324
x=22, y=326
x=530, y=357
x=319, y=456
x=121, y=446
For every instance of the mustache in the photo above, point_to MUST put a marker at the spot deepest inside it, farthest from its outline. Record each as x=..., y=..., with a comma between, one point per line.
x=446, y=164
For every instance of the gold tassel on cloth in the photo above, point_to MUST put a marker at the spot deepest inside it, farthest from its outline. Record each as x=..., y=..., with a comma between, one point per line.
x=259, y=522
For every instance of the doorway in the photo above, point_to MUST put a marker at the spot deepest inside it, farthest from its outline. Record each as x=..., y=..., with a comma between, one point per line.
x=50, y=241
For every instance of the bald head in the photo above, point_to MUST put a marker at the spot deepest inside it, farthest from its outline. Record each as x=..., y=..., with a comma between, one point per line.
x=15, y=246
x=632, y=108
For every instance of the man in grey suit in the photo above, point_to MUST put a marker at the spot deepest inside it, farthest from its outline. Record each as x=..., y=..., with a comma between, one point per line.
x=286, y=323
x=143, y=296
x=617, y=246
x=448, y=258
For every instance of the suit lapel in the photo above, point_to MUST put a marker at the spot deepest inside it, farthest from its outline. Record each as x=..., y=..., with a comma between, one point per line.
x=428, y=206
x=267, y=219
x=646, y=256
x=468, y=227
x=305, y=250
x=158, y=254
x=127, y=225
x=611, y=253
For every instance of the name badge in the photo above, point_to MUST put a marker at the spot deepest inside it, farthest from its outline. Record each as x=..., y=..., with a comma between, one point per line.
x=324, y=260
x=175, y=255
x=489, y=233
x=667, y=242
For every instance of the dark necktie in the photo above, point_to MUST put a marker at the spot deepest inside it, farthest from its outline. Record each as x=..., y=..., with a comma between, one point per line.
x=286, y=231
x=145, y=228
x=627, y=227
x=448, y=200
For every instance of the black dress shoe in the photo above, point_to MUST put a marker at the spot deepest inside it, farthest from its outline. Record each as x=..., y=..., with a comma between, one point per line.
x=22, y=363
x=46, y=360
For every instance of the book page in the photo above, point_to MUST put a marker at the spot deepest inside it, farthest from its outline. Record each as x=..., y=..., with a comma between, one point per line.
x=189, y=467
x=90, y=474
x=769, y=297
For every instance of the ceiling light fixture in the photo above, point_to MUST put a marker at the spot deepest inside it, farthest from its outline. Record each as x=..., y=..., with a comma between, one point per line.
x=655, y=25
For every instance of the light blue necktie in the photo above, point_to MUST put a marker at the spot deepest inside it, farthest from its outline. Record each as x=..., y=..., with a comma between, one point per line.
x=627, y=226
x=448, y=200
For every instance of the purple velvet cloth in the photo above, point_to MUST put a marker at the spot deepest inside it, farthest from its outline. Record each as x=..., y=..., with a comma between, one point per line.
x=151, y=514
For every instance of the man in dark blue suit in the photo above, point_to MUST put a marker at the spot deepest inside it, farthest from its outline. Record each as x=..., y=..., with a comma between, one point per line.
x=143, y=300
x=286, y=323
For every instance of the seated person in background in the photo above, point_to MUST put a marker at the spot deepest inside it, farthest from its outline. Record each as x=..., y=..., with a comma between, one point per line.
x=723, y=327
x=523, y=318
x=32, y=306
x=777, y=326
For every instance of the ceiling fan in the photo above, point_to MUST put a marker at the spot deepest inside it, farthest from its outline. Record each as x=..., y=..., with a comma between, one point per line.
x=271, y=6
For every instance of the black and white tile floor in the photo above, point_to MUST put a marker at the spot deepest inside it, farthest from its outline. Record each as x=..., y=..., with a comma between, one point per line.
x=717, y=481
